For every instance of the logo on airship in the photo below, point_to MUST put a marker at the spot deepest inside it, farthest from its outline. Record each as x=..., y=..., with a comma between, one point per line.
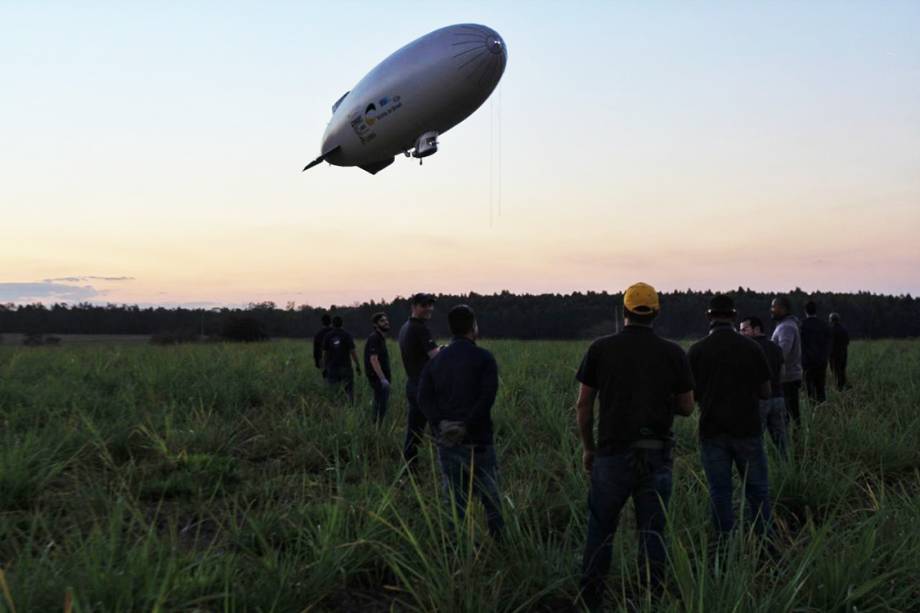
x=370, y=114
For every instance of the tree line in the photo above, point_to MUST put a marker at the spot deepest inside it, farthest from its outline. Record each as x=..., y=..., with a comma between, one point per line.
x=501, y=315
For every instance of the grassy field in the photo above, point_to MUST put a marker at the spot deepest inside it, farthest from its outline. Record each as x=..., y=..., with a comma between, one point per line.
x=222, y=478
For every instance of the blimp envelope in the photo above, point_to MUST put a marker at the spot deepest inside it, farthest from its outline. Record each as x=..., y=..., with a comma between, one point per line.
x=413, y=96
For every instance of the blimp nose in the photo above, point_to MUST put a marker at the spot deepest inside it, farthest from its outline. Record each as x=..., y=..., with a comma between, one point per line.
x=479, y=53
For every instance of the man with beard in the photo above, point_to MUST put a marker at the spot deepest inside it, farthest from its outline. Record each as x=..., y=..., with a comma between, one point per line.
x=377, y=364
x=786, y=335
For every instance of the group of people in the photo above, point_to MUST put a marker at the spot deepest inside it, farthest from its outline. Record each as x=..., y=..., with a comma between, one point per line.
x=635, y=383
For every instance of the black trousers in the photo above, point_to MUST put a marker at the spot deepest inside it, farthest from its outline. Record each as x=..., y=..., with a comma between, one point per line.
x=415, y=423
x=839, y=368
x=791, y=396
x=816, y=383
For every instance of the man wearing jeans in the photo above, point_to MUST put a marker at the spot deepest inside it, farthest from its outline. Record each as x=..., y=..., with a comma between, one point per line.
x=456, y=393
x=416, y=346
x=786, y=335
x=641, y=381
x=732, y=375
x=773, y=409
x=377, y=364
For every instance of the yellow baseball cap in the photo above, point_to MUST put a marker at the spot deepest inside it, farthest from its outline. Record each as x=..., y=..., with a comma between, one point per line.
x=641, y=298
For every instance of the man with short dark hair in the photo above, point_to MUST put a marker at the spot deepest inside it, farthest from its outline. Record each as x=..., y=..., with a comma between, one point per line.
x=816, y=346
x=641, y=382
x=338, y=355
x=377, y=364
x=786, y=335
x=840, y=342
x=416, y=346
x=732, y=376
x=456, y=392
x=772, y=409
x=318, y=339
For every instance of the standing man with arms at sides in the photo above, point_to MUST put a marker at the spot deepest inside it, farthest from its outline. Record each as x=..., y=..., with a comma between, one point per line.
x=377, y=364
x=786, y=335
x=641, y=381
x=416, y=346
x=816, y=348
x=318, y=339
x=456, y=393
x=773, y=409
x=840, y=342
x=732, y=376
x=339, y=352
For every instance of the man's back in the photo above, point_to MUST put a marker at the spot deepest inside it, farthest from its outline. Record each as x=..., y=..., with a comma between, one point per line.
x=729, y=369
x=318, y=343
x=338, y=345
x=637, y=374
x=840, y=340
x=786, y=335
x=816, y=341
x=460, y=383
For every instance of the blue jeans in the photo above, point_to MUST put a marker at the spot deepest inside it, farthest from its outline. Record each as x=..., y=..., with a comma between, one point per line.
x=462, y=463
x=381, y=399
x=773, y=420
x=645, y=475
x=748, y=457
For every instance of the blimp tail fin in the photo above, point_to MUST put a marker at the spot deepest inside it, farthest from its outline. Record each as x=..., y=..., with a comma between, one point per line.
x=321, y=158
x=376, y=166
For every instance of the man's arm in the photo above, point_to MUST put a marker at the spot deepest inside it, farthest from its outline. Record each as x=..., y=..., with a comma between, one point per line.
x=584, y=416
x=317, y=352
x=784, y=336
x=488, y=390
x=375, y=364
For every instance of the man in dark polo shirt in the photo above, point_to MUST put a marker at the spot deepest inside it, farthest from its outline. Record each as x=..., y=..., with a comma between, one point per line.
x=417, y=346
x=338, y=354
x=456, y=392
x=840, y=341
x=641, y=380
x=318, y=339
x=732, y=375
x=816, y=349
x=377, y=364
x=773, y=409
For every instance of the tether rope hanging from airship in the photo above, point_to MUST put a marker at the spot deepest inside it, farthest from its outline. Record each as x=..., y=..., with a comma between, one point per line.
x=495, y=158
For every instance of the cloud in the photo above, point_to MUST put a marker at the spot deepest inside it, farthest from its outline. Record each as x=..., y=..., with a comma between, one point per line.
x=47, y=291
x=86, y=278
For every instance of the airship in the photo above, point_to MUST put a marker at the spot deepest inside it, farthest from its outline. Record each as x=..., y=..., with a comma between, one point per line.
x=412, y=97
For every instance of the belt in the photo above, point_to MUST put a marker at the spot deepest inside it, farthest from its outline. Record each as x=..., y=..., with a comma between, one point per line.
x=649, y=443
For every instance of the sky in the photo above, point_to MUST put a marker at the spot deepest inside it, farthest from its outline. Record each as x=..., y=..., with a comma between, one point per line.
x=151, y=153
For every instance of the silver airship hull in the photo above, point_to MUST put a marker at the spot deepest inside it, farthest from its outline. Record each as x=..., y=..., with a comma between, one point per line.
x=414, y=95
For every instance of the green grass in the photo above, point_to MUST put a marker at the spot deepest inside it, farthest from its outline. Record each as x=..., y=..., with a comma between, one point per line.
x=225, y=478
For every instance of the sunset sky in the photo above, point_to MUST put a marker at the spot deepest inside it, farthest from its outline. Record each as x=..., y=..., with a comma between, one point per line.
x=151, y=152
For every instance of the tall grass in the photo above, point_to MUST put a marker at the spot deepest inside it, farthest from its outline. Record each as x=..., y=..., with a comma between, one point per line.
x=226, y=478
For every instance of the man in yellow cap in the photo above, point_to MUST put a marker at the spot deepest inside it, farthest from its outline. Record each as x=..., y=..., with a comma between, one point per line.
x=641, y=381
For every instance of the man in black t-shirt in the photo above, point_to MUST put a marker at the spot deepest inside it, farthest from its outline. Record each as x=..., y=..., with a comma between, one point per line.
x=816, y=349
x=377, y=364
x=773, y=409
x=318, y=339
x=641, y=381
x=732, y=375
x=338, y=355
x=416, y=346
x=840, y=341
